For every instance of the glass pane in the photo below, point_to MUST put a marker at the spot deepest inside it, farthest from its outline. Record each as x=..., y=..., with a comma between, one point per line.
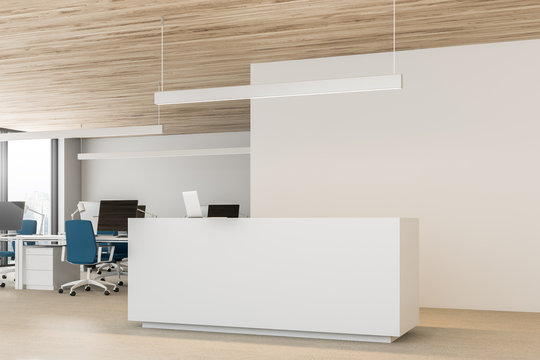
x=29, y=178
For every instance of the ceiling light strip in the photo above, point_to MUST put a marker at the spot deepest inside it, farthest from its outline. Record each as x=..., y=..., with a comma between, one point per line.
x=164, y=153
x=263, y=91
x=85, y=133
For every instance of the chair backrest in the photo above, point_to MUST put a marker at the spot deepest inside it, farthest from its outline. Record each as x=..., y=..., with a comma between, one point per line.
x=80, y=242
x=29, y=227
x=120, y=249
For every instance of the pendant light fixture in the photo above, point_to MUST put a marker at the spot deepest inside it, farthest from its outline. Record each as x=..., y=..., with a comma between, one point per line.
x=287, y=89
x=264, y=91
x=85, y=133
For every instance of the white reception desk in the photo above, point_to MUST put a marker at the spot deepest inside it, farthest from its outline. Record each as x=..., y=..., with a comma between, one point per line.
x=329, y=278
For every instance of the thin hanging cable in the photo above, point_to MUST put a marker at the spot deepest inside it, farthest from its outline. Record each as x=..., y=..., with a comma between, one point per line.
x=159, y=109
x=80, y=140
x=394, y=37
x=160, y=84
x=162, y=26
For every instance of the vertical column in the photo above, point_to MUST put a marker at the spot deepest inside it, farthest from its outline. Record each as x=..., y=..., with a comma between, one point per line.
x=69, y=179
x=19, y=260
x=3, y=186
x=54, y=186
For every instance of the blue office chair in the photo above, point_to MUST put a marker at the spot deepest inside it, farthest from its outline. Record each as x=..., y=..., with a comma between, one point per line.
x=29, y=227
x=119, y=267
x=81, y=249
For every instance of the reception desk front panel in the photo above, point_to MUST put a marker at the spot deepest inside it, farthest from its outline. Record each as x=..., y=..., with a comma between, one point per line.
x=336, y=278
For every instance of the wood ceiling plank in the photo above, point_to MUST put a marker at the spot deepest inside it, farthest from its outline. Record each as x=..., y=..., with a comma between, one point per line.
x=70, y=62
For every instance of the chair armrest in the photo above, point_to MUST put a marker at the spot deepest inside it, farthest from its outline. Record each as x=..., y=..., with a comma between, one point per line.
x=111, y=253
x=63, y=257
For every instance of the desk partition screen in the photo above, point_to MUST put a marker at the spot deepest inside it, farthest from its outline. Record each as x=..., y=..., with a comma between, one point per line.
x=11, y=215
x=114, y=214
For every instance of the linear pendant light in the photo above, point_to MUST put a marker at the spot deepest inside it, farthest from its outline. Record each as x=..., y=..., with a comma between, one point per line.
x=85, y=133
x=287, y=89
x=264, y=91
x=164, y=153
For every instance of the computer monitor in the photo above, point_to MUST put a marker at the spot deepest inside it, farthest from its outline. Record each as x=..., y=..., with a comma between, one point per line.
x=228, y=211
x=114, y=214
x=193, y=206
x=11, y=215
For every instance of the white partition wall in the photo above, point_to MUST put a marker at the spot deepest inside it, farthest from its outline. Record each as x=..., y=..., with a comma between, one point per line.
x=457, y=147
x=158, y=182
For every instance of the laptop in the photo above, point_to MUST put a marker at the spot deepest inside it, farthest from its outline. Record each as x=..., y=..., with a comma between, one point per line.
x=193, y=206
x=226, y=211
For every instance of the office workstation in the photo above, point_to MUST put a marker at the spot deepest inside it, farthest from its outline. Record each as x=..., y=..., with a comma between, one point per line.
x=269, y=179
x=39, y=261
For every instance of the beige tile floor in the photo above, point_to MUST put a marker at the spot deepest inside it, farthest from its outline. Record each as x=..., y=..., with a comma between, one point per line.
x=46, y=325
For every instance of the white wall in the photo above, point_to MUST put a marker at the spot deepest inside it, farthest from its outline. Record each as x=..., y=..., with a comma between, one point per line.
x=458, y=148
x=158, y=182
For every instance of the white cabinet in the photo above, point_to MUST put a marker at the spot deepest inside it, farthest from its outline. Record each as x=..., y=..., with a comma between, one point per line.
x=44, y=270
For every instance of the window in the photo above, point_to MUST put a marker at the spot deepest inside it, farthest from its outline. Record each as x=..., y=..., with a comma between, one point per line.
x=29, y=178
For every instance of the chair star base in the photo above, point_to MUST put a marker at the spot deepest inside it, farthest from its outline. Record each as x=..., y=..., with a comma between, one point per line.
x=87, y=283
x=112, y=269
x=3, y=272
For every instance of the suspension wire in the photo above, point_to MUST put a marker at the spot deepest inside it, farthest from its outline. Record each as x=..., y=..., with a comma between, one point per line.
x=162, y=28
x=160, y=84
x=394, y=37
x=159, y=109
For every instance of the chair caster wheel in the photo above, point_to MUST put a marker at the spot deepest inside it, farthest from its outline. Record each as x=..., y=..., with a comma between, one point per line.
x=120, y=283
x=99, y=272
x=102, y=279
x=73, y=293
x=2, y=285
x=87, y=288
x=106, y=292
x=4, y=277
x=60, y=291
x=116, y=289
x=109, y=270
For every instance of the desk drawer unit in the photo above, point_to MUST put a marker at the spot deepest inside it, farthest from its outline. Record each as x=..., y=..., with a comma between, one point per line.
x=44, y=270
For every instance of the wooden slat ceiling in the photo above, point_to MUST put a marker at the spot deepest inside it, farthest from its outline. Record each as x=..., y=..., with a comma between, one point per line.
x=70, y=63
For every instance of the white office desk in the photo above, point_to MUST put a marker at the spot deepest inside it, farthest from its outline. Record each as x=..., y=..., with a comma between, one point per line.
x=20, y=255
x=112, y=239
x=332, y=278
